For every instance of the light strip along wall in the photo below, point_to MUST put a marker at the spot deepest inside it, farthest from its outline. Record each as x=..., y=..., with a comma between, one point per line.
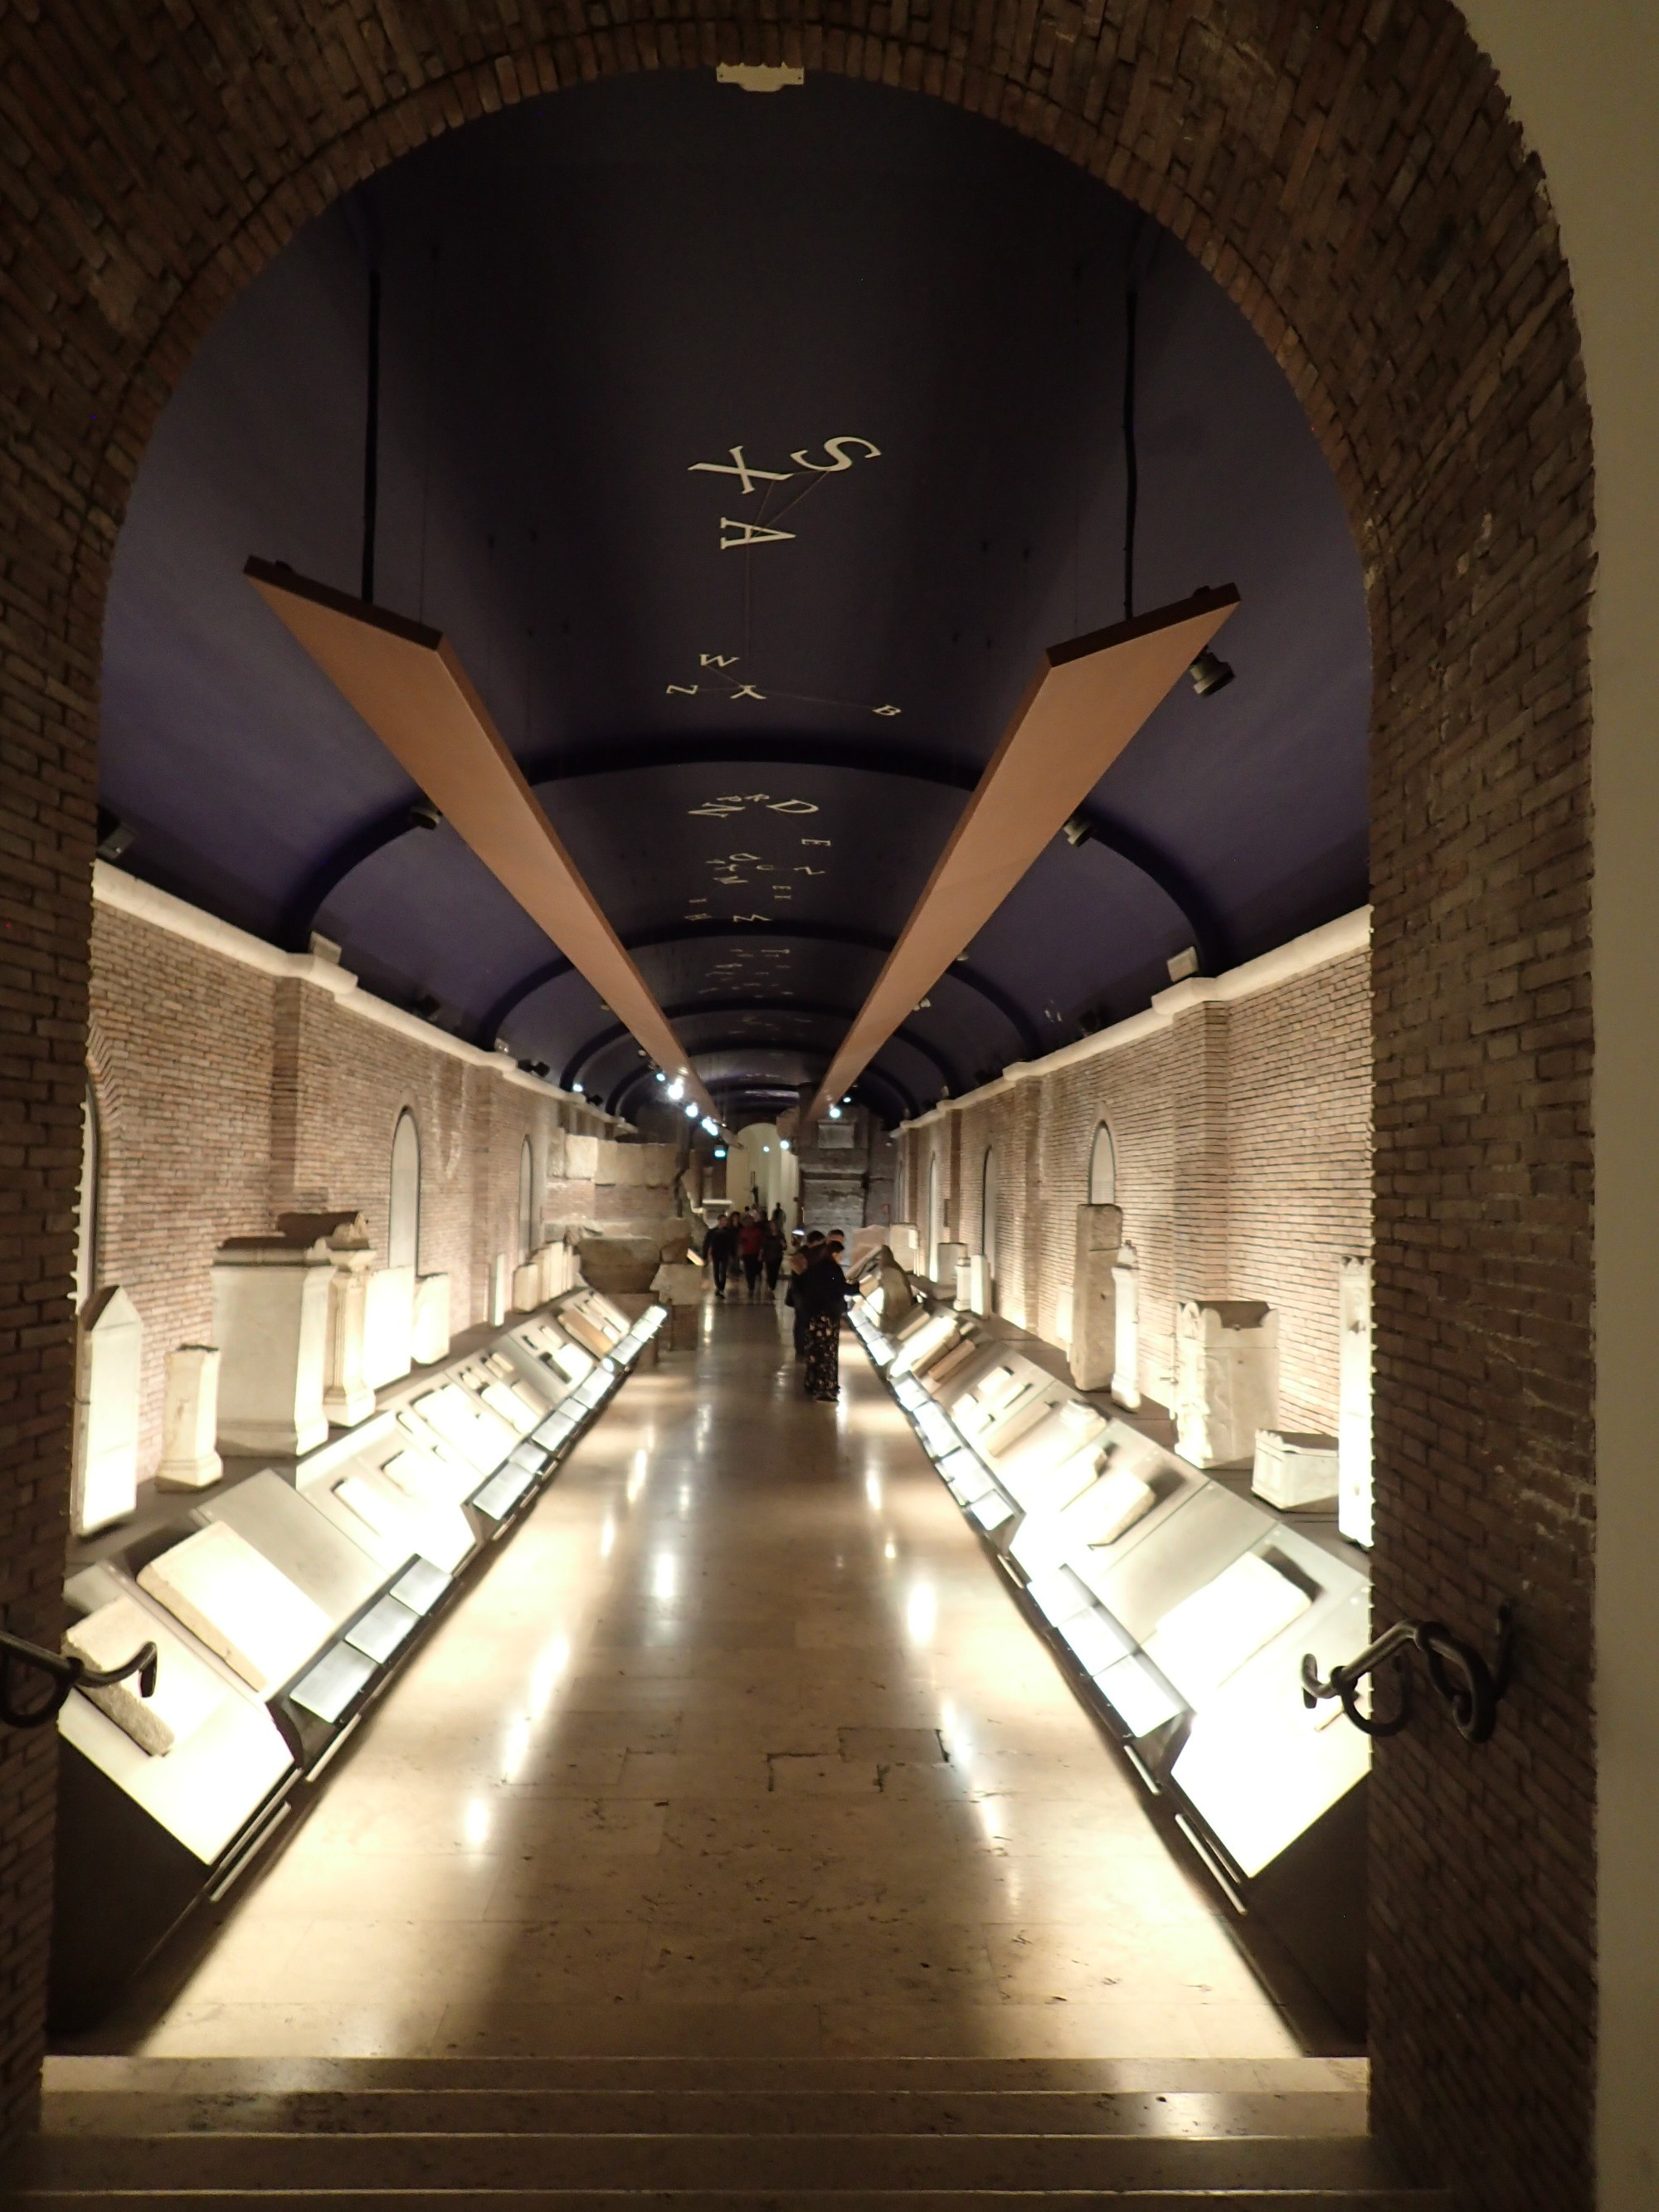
x=407, y=682
x=1082, y=707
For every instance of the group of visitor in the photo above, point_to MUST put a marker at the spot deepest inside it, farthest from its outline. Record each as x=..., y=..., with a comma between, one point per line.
x=749, y=1245
x=749, y=1241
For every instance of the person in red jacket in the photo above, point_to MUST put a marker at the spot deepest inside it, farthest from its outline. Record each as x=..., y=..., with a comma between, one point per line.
x=751, y=1241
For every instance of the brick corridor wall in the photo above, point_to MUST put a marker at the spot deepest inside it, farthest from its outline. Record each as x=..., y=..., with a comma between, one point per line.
x=1353, y=179
x=1243, y=1136
x=227, y=1097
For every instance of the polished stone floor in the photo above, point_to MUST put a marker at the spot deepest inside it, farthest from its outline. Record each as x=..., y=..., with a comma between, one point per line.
x=741, y=1747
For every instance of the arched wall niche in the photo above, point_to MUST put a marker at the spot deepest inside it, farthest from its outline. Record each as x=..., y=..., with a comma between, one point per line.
x=403, y=1236
x=1354, y=181
x=1102, y=1175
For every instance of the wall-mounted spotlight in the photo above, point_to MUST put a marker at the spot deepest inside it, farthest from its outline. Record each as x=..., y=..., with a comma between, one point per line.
x=835, y=1113
x=422, y=814
x=1079, y=830
x=691, y=1110
x=719, y=1152
x=676, y=1091
x=713, y=1127
x=577, y=1089
x=661, y=1076
x=1210, y=673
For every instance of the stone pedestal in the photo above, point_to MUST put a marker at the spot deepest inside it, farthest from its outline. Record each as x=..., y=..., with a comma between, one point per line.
x=1226, y=1378
x=1094, y=1298
x=904, y=1242
x=527, y=1287
x=388, y=1326
x=498, y=1290
x=270, y=1299
x=1125, y=1328
x=1354, y=1423
x=974, y=1278
x=348, y=1397
x=949, y=1258
x=429, y=1337
x=104, y=1475
x=189, y=1419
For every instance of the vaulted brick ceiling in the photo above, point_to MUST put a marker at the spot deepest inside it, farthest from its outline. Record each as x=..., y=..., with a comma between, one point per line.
x=754, y=750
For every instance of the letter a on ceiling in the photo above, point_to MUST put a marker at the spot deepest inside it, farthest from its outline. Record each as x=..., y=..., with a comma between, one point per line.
x=1086, y=700
x=407, y=684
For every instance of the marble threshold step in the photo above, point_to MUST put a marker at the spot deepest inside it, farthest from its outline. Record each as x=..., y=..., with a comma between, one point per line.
x=681, y=2163
x=1158, y=2114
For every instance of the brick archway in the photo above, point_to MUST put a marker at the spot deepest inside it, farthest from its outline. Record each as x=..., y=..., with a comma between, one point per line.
x=1352, y=179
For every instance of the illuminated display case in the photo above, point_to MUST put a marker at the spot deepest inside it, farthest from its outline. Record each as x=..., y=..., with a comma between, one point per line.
x=1181, y=1608
x=281, y=1603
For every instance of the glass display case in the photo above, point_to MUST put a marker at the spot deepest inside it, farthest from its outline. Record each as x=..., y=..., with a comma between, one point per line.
x=281, y=1604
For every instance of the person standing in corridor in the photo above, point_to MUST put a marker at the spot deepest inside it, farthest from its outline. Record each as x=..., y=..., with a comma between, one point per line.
x=719, y=1248
x=750, y=1238
x=822, y=1289
x=771, y=1254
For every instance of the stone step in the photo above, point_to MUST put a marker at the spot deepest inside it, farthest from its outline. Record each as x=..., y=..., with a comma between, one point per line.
x=1188, y=2114
x=1214, y=2077
x=812, y=2163
x=1294, y=2198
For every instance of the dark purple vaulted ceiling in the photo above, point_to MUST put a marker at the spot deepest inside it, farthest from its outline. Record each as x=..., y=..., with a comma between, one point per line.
x=753, y=750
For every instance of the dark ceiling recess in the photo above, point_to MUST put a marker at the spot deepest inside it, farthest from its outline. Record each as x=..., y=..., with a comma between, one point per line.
x=750, y=452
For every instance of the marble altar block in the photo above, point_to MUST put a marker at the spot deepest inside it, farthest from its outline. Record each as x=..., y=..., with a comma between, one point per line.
x=348, y=1397
x=1125, y=1328
x=1294, y=1471
x=270, y=1299
x=904, y=1242
x=1094, y=1296
x=388, y=1326
x=104, y=1475
x=1226, y=1378
x=526, y=1287
x=189, y=1419
x=430, y=1342
x=1354, y=1401
x=498, y=1290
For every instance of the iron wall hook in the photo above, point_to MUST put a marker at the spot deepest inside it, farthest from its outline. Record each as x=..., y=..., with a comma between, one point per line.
x=1470, y=1690
x=63, y=1673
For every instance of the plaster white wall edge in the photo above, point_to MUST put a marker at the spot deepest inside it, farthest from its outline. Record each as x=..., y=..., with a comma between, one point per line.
x=1316, y=948
x=123, y=894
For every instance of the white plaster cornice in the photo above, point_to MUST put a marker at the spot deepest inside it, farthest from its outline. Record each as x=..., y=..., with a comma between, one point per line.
x=123, y=894
x=1334, y=940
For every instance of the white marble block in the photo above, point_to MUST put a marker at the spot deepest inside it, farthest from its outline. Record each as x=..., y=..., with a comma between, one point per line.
x=388, y=1326
x=949, y=1258
x=978, y=1284
x=1093, y=1331
x=1125, y=1328
x=526, y=1287
x=581, y=1157
x=189, y=1419
x=1226, y=1378
x=429, y=1337
x=348, y=1397
x=104, y=1481
x=187, y=1691
x=904, y=1242
x=1353, y=1421
x=270, y=1300
x=498, y=1290
x=1292, y=1471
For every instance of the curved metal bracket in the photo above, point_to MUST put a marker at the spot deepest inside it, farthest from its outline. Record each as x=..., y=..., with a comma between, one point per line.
x=64, y=1674
x=1470, y=1690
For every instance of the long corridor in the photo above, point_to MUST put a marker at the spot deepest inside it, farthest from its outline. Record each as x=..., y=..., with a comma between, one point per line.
x=740, y=1748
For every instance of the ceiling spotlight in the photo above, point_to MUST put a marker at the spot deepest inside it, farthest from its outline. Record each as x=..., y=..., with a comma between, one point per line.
x=423, y=815
x=783, y=1144
x=676, y=1091
x=711, y=1124
x=691, y=1110
x=1077, y=831
x=577, y=1089
x=835, y=1113
x=662, y=1077
x=1209, y=672
x=719, y=1152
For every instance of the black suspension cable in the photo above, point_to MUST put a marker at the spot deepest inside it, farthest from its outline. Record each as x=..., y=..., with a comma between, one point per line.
x=1131, y=466
x=371, y=437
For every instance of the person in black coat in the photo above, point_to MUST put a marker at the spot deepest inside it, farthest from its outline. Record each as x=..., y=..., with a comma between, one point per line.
x=719, y=1248
x=821, y=1288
